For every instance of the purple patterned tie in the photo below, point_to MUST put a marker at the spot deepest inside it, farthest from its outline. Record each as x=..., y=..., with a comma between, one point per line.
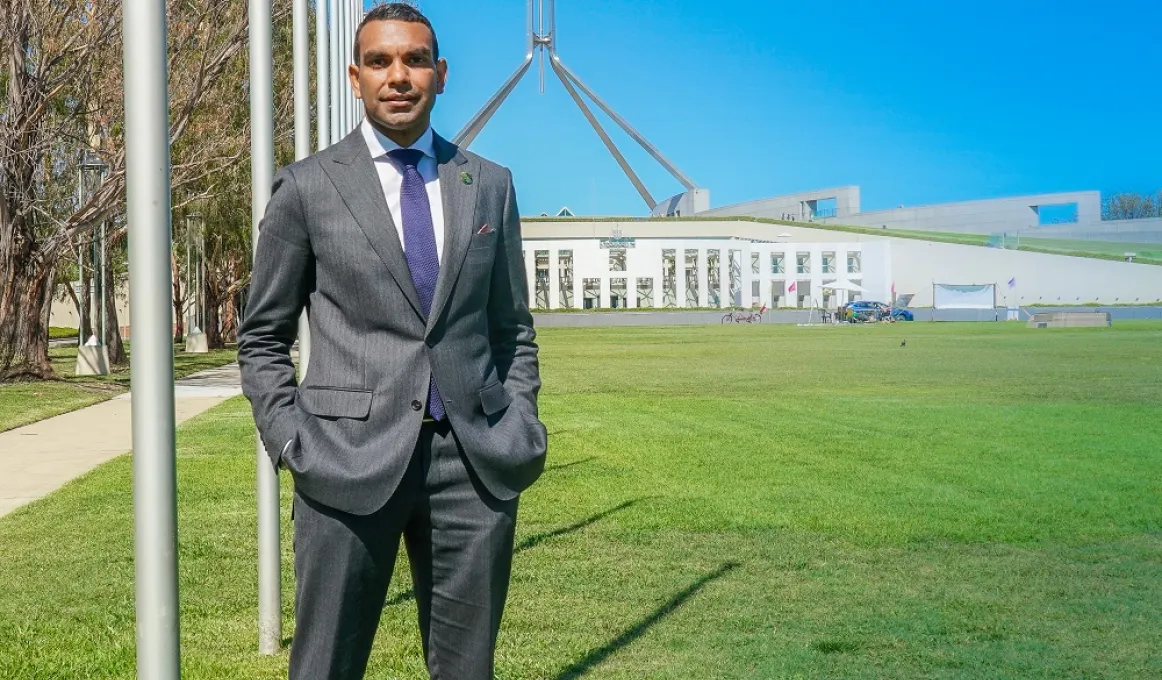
x=419, y=244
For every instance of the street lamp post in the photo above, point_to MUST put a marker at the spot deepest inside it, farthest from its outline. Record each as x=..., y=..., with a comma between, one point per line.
x=93, y=359
x=195, y=261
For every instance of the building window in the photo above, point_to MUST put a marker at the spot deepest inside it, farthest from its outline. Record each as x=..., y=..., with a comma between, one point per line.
x=617, y=260
x=669, y=278
x=754, y=263
x=645, y=292
x=803, y=263
x=778, y=263
x=542, y=288
x=828, y=263
x=713, y=277
x=691, y=278
x=853, y=263
x=565, y=276
x=618, y=295
x=591, y=289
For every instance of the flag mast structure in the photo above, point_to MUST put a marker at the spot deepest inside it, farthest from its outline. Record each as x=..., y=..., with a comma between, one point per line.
x=541, y=41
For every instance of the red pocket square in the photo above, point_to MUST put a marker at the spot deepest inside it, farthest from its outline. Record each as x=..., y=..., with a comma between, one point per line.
x=484, y=229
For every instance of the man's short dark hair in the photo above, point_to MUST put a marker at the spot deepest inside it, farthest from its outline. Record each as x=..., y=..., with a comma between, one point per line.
x=396, y=11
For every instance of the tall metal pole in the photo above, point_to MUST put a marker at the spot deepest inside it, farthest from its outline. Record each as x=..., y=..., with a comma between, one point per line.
x=302, y=79
x=261, y=179
x=357, y=109
x=322, y=77
x=104, y=264
x=336, y=76
x=148, y=208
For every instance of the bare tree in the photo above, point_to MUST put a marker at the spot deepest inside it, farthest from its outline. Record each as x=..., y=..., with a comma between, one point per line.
x=1132, y=206
x=61, y=90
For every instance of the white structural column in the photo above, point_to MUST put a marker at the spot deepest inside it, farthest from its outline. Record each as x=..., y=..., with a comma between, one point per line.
x=578, y=281
x=530, y=257
x=703, y=279
x=147, y=164
x=261, y=178
x=724, y=276
x=765, y=277
x=680, y=277
x=554, y=278
x=659, y=278
x=745, y=275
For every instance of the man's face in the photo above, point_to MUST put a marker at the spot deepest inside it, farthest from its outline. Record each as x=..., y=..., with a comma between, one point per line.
x=398, y=77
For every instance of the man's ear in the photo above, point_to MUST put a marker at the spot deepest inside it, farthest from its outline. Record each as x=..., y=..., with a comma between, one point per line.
x=441, y=75
x=353, y=76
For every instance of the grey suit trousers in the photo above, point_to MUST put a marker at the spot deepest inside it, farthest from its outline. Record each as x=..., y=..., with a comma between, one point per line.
x=459, y=540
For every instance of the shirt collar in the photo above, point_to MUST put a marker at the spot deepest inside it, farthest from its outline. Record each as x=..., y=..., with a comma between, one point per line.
x=380, y=145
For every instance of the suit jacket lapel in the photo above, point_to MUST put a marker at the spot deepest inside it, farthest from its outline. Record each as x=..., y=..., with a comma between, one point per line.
x=353, y=174
x=459, y=182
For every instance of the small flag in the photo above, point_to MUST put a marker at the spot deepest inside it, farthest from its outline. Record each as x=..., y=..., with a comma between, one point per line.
x=1013, y=282
x=791, y=287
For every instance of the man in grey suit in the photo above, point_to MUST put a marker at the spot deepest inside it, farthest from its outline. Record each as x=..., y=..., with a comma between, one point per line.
x=418, y=417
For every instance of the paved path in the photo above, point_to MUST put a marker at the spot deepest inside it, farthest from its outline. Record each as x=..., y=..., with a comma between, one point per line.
x=38, y=459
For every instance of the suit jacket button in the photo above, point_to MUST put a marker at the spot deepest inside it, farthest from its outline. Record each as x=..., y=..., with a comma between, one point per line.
x=416, y=405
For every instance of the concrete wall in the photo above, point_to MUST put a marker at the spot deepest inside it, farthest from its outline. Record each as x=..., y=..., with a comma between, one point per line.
x=1040, y=278
x=1014, y=214
x=846, y=204
x=685, y=204
x=1148, y=230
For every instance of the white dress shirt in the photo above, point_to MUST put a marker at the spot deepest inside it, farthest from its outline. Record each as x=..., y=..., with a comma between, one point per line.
x=391, y=178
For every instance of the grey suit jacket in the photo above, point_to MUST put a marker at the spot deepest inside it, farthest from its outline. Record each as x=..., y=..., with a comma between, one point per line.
x=328, y=242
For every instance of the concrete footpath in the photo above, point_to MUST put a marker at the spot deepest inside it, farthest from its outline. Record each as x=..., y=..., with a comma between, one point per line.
x=38, y=459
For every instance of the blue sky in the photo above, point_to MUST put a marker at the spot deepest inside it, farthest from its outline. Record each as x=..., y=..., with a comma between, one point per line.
x=915, y=101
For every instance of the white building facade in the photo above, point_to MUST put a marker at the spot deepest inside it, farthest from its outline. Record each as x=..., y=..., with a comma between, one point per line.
x=706, y=272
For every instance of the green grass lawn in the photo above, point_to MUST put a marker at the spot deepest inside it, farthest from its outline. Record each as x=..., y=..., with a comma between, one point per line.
x=27, y=402
x=721, y=502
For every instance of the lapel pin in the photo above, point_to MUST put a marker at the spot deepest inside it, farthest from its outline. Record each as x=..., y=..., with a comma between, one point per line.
x=465, y=178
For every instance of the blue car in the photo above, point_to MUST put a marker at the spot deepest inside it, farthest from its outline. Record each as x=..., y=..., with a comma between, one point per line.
x=869, y=310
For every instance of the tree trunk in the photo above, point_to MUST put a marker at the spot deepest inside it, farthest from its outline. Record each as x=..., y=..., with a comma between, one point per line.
x=213, y=328
x=117, y=356
x=86, y=311
x=179, y=301
x=24, y=296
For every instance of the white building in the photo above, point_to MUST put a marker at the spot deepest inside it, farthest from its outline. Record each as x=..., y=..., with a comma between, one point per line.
x=617, y=271
x=571, y=260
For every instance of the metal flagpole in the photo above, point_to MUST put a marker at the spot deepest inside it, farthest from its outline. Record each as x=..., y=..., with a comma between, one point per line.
x=335, y=74
x=322, y=77
x=356, y=105
x=302, y=80
x=147, y=166
x=342, y=91
x=262, y=176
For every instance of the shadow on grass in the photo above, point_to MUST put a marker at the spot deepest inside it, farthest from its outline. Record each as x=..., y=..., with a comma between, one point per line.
x=562, y=466
x=596, y=656
x=537, y=539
